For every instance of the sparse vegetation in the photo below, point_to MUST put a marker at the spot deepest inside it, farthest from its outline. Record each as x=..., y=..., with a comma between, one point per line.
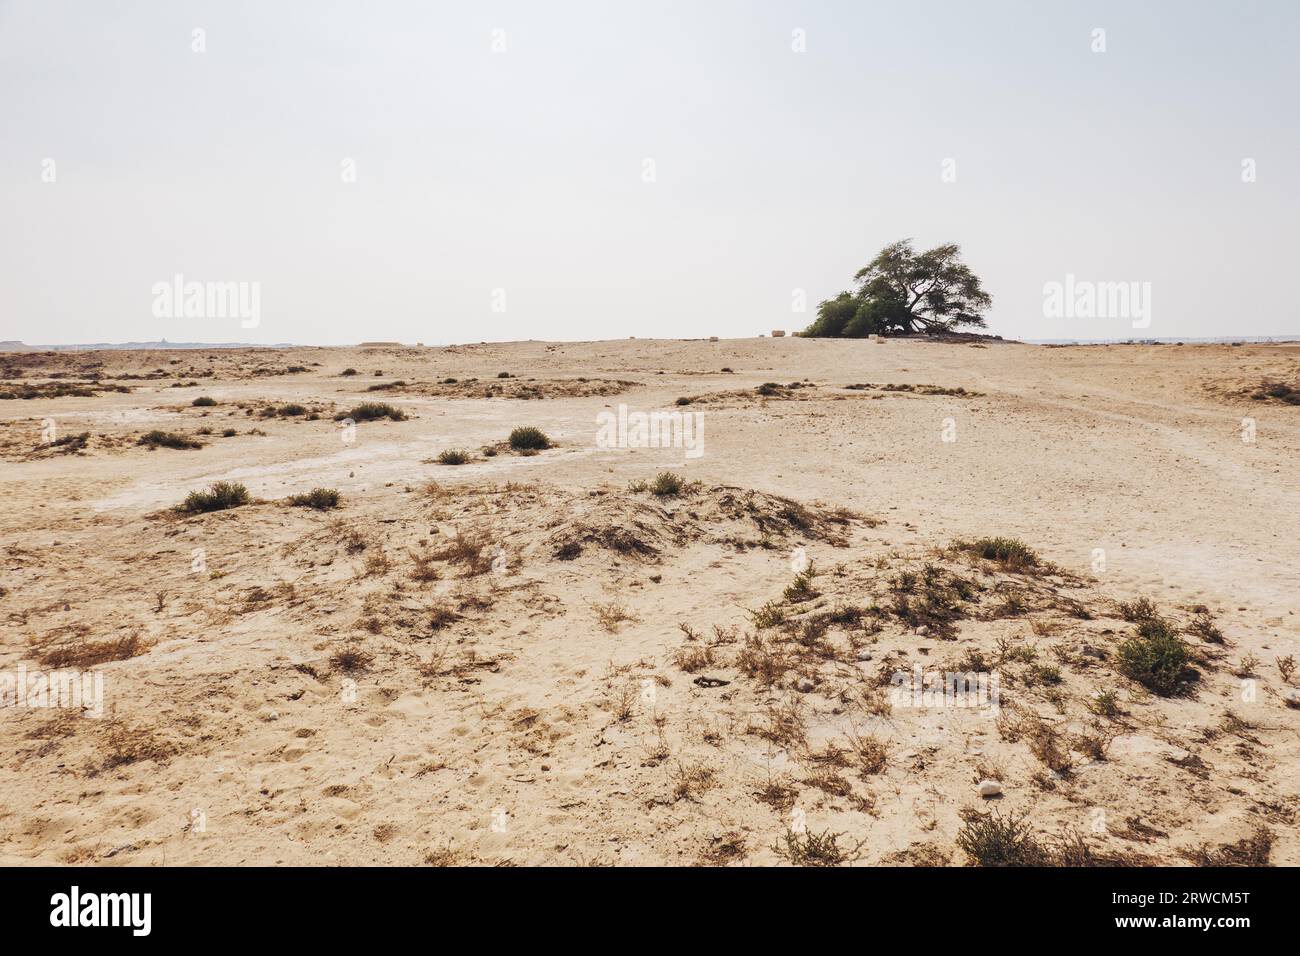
x=989, y=839
x=611, y=615
x=1278, y=391
x=801, y=589
x=203, y=401
x=769, y=615
x=322, y=499
x=124, y=744
x=1253, y=850
x=814, y=849
x=372, y=411
x=469, y=548
x=1010, y=553
x=667, y=485
x=1155, y=657
x=690, y=781
x=454, y=456
x=1286, y=667
x=1203, y=626
x=350, y=658
x=693, y=658
x=1142, y=609
x=871, y=753
x=442, y=615
x=219, y=497
x=162, y=439
x=71, y=443
x=528, y=438
x=1105, y=703
x=82, y=653
x=957, y=392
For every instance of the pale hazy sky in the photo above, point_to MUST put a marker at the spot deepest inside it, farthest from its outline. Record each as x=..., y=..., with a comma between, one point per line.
x=524, y=170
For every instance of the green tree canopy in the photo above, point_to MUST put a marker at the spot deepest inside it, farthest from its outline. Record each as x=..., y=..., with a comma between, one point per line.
x=902, y=290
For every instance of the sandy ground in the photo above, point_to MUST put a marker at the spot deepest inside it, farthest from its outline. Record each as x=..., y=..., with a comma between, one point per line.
x=532, y=659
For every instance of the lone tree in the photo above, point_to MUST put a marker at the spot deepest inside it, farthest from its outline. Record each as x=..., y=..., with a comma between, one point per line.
x=901, y=291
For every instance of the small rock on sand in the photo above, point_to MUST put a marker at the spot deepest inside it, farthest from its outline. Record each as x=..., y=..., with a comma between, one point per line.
x=990, y=788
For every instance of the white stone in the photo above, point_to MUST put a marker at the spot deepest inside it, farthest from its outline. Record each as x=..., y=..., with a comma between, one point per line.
x=990, y=788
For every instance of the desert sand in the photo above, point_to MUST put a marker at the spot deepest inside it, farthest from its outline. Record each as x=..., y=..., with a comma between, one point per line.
x=536, y=659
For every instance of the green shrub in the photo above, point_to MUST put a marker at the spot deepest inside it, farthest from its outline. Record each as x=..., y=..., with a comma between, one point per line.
x=454, y=456
x=991, y=840
x=203, y=402
x=349, y=371
x=1009, y=552
x=667, y=485
x=293, y=408
x=1156, y=657
x=528, y=438
x=369, y=411
x=322, y=499
x=222, y=495
x=161, y=439
x=802, y=588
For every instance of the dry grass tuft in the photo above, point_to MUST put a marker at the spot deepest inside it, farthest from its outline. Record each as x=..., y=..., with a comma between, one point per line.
x=611, y=615
x=81, y=653
x=815, y=849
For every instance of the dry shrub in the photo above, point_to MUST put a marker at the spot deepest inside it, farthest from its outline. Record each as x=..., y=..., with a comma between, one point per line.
x=1253, y=850
x=690, y=782
x=763, y=661
x=724, y=849
x=815, y=849
x=126, y=744
x=442, y=615
x=785, y=725
x=611, y=615
x=871, y=753
x=81, y=653
x=424, y=570
x=693, y=659
x=1286, y=667
x=468, y=548
x=350, y=658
